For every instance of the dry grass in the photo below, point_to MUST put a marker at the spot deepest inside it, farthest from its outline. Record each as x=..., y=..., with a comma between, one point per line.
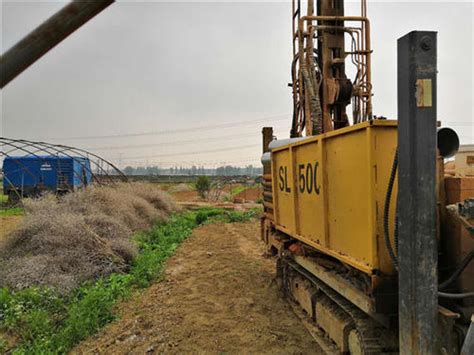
x=81, y=236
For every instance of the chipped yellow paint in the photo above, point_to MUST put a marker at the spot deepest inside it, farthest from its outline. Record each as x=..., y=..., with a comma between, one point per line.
x=329, y=192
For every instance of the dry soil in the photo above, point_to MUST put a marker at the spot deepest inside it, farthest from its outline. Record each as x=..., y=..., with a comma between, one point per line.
x=252, y=194
x=7, y=224
x=217, y=297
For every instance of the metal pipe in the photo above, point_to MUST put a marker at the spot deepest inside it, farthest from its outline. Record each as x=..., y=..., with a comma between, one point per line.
x=47, y=35
x=276, y=143
x=266, y=158
x=365, y=21
x=456, y=296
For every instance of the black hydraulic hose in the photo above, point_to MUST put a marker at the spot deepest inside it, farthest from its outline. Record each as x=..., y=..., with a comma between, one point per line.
x=455, y=295
x=386, y=214
x=395, y=235
x=464, y=263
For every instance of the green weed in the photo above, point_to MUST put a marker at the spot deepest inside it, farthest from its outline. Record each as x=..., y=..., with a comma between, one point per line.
x=238, y=189
x=13, y=211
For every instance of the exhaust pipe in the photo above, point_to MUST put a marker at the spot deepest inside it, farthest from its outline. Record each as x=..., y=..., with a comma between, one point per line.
x=448, y=142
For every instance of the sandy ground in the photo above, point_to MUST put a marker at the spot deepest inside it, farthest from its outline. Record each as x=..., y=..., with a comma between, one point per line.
x=249, y=195
x=252, y=194
x=217, y=297
x=7, y=224
x=185, y=195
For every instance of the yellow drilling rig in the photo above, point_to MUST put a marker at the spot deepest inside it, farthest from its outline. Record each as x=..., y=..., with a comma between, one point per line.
x=356, y=207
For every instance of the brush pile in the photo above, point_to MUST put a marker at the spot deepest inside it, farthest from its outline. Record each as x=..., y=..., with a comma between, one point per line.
x=81, y=236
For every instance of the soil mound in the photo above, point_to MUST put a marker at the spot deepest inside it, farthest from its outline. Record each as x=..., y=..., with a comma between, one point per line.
x=251, y=194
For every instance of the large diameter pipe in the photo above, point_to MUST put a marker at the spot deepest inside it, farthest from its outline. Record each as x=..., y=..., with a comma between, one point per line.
x=266, y=158
x=277, y=143
x=448, y=142
x=47, y=35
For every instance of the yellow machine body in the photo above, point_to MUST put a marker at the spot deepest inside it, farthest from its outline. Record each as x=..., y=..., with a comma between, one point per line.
x=329, y=193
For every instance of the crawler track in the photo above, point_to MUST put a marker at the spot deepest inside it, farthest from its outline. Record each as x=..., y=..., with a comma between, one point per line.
x=371, y=337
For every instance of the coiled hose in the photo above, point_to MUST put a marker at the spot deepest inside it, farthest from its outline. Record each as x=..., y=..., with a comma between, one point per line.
x=394, y=255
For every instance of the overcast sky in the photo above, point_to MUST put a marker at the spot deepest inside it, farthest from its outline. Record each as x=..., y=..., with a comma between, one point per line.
x=196, y=81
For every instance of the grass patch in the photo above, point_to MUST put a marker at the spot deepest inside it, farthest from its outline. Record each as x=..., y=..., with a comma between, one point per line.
x=46, y=322
x=13, y=211
x=3, y=198
x=8, y=210
x=238, y=189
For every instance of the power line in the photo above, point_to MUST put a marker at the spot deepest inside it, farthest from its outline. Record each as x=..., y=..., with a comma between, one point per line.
x=203, y=163
x=181, y=130
x=190, y=153
x=166, y=144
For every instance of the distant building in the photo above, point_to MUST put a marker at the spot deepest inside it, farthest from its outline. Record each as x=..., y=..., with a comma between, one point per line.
x=30, y=175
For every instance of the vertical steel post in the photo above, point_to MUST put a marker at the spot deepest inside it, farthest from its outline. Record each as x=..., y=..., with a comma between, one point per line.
x=418, y=302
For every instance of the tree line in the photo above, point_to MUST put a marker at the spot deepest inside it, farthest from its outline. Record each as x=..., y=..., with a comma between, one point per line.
x=227, y=170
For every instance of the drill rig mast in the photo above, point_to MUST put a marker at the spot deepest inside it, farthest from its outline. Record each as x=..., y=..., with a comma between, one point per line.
x=321, y=88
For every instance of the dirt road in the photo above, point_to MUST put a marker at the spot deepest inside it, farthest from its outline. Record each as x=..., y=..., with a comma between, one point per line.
x=217, y=296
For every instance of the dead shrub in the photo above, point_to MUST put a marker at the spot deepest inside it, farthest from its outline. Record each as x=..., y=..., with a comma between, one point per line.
x=82, y=236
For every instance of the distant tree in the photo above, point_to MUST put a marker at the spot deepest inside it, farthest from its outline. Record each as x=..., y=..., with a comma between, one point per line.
x=128, y=170
x=249, y=169
x=152, y=170
x=203, y=185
